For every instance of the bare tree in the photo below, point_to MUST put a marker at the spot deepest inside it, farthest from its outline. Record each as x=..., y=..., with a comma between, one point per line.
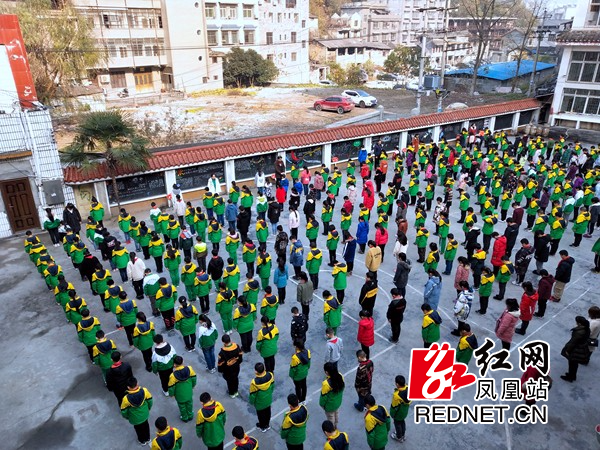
x=486, y=15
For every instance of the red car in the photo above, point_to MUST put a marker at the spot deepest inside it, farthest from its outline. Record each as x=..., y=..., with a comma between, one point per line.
x=339, y=104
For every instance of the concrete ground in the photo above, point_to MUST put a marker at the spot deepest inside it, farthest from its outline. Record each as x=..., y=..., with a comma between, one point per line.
x=55, y=399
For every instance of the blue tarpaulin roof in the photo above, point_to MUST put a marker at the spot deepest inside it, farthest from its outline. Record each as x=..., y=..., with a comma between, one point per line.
x=504, y=70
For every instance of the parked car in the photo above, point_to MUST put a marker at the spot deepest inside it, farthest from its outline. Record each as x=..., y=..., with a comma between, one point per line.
x=339, y=104
x=327, y=83
x=387, y=77
x=412, y=85
x=360, y=98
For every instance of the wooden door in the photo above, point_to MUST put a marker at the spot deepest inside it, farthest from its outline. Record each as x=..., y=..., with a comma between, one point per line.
x=20, y=205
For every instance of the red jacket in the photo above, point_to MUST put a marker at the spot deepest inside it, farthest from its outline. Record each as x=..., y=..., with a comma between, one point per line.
x=368, y=194
x=366, y=331
x=499, y=251
x=527, y=307
x=280, y=195
x=348, y=206
x=545, y=287
x=381, y=236
x=364, y=171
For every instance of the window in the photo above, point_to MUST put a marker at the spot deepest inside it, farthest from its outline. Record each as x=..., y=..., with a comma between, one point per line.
x=211, y=37
x=123, y=52
x=205, y=80
x=117, y=80
x=112, y=20
x=137, y=46
x=269, y=38
x=293, y=37
x=296, y=20
x=581, y=101
x=215, y=60
x=278, y=17
x=294, y=56
x=228, y=11
x=249, y=37
x=229, y=37
x=303, y=44
x=375, y=25
x=271, y=17
x=210, y=11
x=584, y=67
x=290, y=3
x=392, y=37
x=248, y=11
x=270, y=57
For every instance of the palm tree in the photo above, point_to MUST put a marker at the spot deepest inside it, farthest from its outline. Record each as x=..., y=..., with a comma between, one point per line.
x=109, y=139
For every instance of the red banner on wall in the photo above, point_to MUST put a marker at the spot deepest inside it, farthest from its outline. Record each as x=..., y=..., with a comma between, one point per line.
x=12, y=39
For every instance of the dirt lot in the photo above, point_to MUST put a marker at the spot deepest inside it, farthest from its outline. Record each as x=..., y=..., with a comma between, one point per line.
x=257, y=112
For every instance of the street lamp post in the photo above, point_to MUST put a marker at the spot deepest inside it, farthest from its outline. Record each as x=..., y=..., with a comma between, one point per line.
x=540, y=36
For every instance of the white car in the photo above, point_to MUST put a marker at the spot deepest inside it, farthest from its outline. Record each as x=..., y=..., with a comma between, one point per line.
x=360, y=98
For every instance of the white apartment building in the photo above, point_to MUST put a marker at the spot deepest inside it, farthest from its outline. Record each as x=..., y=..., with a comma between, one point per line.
x=159, y=45
x=576, y=102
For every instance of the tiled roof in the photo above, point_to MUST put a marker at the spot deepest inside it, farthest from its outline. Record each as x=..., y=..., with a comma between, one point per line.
x=579, y=37
x=192, y=155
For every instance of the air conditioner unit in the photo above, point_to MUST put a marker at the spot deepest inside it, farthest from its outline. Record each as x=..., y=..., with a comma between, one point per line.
x=104, y=79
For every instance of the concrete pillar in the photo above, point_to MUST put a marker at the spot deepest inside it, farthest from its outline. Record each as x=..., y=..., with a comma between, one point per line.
x=403, y=139
x=535, y=117
x=101, y=193
x=492, y=124
x=436, y=133
x=368, y=144
x=465, y=124
x=170, y=180
x=515, y=122
x=326, y=155
x=229, y=173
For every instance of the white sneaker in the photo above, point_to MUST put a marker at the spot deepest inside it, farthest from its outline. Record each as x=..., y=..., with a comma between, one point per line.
x=213, y=370
x=166, y=394
x=516, y=283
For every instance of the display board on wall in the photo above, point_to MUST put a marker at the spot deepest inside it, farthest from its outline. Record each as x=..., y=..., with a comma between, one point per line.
x=196, y=177
x=525, y=117
x=388, y=141
x=452, y=130
x=425, y=136
x=138, y=187
x=343, y=151
x=504, y=122
x=312, y=156
x=246, y=168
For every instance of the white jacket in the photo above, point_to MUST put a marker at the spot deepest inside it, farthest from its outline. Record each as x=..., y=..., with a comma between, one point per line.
x=214, y=185
x=180, y=208
x=135, y=270
x=294, y=220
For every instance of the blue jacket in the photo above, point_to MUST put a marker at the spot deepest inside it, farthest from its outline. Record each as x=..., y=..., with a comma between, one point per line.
x=280, y=278
x=285, y=184
x=297, y=254
x=298, y=187
x=432, y=291
x=362, y=155
x=350, y=250
x=231, y=212
x=362, y=232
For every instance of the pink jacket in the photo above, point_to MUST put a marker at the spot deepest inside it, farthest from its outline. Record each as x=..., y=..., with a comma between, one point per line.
x=506, y=324
x=381, y=236
x=462, y=274
x=318, y=182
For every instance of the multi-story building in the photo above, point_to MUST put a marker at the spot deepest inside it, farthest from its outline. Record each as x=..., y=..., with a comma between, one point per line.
x=415, y=21
x=576, y=102
x=499, y=27
x=160, y=45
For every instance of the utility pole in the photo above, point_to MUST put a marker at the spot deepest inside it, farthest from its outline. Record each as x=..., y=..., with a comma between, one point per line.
x=417, y=110
x=540, y=36
x=444, y=52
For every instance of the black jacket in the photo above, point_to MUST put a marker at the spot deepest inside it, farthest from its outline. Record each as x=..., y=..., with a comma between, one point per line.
x=215, y=268
x=72, y=219
x=511, y=233
x=564, y=269
x=298, y=327
x=401, y=276
x=523, y=257
x=117, y=377
x=542, y=248
x=576, y=349
x=273, y=212
x=243, y=221
x=309, y=207
x=395, y=311
x=471, y=238
x=88, y=266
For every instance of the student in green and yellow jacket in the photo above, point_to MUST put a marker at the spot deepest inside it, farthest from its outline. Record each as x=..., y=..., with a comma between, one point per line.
x=173, y=231
x=346, y=220
x=261, y=395
x=333, y=239
x=202, y=286
x=210, y=422
x=74, y=307
x=188, y=276
x=186, y=320
x=266, y=342
x=249, y=256
x=143, y=338
x=466, y=345
x=165, y=302
x=29, y=242
x=335, y=439
x=125, y=224
x=251, y=289
x=172, y=260
x=332, y=392
x=443, y=227
x=126, y=312
x=293, y=427
x=35, y=251
x=231, y=276
x=332, y=311
x=421, y=243
x=224, y=306
x=166, y=437
x=87, y=328
x=135, y=407
x=51, y=274
x=399, y=408
x=51, y=225
x=145, y=234
x=450, y=253
x=200, y=224
x=181, y=386
x=162, y=224
x=269, y=304
x=134, y=233
x=232, y=243
x=377, y=424
x=234, y=193
x=314, y=258
x=340, y=280
x=43, y=261
x=215, y=233
x=111, y=297
x=430, y=329
x=433, y=258
x=97, y=211
x=219, y=208
x=299, y=366
x=312, y=229
x=262, y=234
x=246, y=198
x=120, y=258
x=244, y=316
x=61, y=291
x=263, y=267
x=485, y=289
x=102, y=352
x=326, y=216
